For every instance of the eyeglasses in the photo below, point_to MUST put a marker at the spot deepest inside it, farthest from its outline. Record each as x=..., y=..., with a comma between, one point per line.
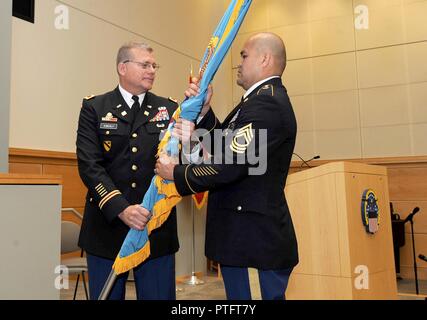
x=144, y=65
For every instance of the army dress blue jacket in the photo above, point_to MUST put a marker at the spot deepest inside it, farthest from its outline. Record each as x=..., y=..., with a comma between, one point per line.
x=248, y=221
x=116, y=160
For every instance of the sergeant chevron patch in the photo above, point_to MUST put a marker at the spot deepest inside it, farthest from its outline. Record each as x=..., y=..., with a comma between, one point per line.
x=242, y=139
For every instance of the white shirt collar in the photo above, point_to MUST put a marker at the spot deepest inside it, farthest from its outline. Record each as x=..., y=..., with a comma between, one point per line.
x=127, y=96
x=256, y=85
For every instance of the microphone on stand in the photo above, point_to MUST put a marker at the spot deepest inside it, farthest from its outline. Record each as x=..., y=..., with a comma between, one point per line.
x=410, y=219
x=411, y=215
x=304, y=161
x=422, y=257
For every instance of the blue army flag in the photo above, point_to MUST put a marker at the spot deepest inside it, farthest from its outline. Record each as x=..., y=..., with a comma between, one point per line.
x=162, y=195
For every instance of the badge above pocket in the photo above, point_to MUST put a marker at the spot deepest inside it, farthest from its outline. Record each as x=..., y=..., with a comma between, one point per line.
x=162, y=115
x=156, y=127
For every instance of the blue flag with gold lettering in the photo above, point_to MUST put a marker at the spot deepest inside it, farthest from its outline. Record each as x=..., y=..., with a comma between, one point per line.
x=162, y=195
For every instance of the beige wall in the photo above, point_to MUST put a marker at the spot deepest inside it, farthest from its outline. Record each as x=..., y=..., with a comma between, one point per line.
x=52, y=70
x=356, y=93
x=5, y=53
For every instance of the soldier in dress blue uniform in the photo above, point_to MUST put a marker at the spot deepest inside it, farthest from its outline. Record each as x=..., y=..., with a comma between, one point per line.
x=248, y=220
x=117, y=139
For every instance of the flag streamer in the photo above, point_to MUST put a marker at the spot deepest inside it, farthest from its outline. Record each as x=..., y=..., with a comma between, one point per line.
x=200, y=199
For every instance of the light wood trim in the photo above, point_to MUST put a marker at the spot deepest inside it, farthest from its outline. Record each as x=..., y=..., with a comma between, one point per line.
x=380, y=161
x=29, y=179
x=23, y=161
x=41, y=153
x=18, y=155
x=336, y=167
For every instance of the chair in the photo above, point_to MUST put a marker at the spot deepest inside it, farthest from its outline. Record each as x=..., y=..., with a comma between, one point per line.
x=69, y=243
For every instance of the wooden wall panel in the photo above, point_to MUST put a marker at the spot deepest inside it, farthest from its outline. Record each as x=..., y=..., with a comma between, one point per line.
x=408, y=183
x=73, y=191
x=404, y=208
x=52, y=163
x=408, y=273
x=406, y=256
x=30, y=168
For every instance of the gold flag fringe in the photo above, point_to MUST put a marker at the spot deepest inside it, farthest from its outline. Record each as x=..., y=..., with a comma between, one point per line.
x=161, y=211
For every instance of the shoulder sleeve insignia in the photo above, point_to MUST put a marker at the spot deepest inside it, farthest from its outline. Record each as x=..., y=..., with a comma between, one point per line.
x=89, y=97
x=267, y=89
x=173, y=100
x=242, y=139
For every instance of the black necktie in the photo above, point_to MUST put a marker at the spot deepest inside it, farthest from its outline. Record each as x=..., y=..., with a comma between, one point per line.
x=135, y=108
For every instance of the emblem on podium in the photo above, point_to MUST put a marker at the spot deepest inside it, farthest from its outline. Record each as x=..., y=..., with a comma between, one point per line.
x=370, y=211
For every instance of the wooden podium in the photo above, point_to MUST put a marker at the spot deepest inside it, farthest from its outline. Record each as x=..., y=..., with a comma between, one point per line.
x=338, y=258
